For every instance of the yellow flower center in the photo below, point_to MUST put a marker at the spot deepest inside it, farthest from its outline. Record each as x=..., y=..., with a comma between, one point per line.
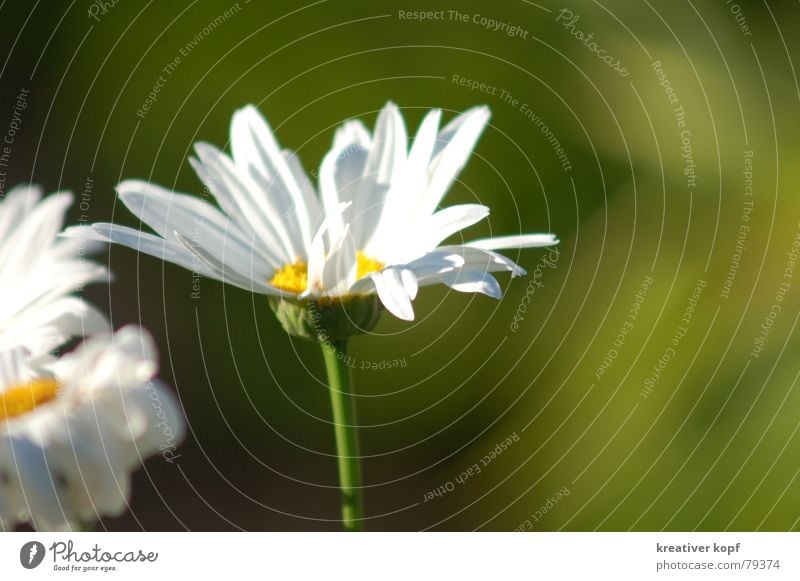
x=366, y=265
x=25, y=398
x=294, y=277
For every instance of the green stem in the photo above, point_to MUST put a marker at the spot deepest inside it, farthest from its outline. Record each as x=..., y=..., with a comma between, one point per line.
x=344, y=422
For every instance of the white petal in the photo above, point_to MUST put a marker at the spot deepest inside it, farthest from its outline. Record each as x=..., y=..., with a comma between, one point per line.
x=435, y=262
x=452, y=129
x=352, y=145
x=309, y=193
x=339, y=270
x=398, y=211
x=225, y=200
x=384, y=177
x=376, y=176
x=390, y=142
x=41, y=496
x=330, y=193
x=82, y=461
x=317, y=254
x=16, y=204
x=451, y=220
x=410, y=282
x=228, y=272
x=472, y=282
x=139, y=241
x=149, y=440
x=419, y=157
x=344, y=177
x=125, y=359
x=199, y=223
x=68, y=249
x=102, y=459
x=459, y=138
x=316, y=260
x=353, y=132
x=254, y=144
x=483, y=260
x=43, y=282
x=54, y=324
x=515, y=242
x=265, y=217
x=13, y=368
x=33, y=238
x=392, y=293
x=166, y=211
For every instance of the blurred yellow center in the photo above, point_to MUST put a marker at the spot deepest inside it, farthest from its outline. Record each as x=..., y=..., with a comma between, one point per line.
x=25, y=398
x=294, y=277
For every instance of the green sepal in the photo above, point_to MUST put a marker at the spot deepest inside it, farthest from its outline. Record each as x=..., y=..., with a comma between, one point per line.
x=325, y=319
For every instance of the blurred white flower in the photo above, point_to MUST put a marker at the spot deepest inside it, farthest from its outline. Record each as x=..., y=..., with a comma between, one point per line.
x=376, y=226
x=39, y=271
x=73, y=430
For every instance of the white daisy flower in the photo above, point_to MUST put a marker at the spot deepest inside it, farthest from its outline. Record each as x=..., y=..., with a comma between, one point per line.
x=72, y=432
x=38, y=273
x=376, y=226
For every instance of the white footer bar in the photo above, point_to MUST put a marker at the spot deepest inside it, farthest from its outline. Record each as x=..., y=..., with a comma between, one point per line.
x=402, y=556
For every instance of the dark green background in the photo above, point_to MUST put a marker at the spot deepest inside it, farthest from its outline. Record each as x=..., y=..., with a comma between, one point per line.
x=715, y=445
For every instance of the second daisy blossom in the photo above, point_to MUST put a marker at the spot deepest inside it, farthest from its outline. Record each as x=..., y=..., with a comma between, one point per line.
x=375, y=226
x=73, y=430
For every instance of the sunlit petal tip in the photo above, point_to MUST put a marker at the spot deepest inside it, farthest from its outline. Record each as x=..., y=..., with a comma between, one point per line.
x=249, y=110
